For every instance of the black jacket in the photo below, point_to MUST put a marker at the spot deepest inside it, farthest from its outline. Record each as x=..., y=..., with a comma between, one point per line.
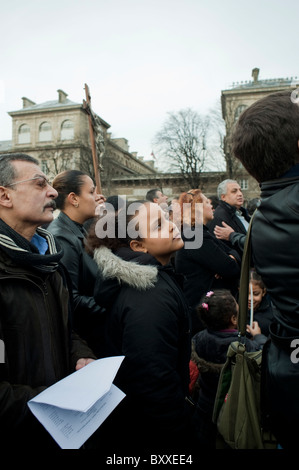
x=148, y=322
x=89, y=316
x=199, y=267
x=40, y=348
x=226, y=213
x=276, y=258
x=275, y=247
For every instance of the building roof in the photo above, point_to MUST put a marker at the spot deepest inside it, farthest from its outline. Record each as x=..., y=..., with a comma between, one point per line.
x=256, y=84
x=50, y=104
x=46, y=106
x=272, y=82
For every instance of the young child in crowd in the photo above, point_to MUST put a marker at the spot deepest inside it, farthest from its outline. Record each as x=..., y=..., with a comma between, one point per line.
x=261, y=302
x=148, y=322
x=218, y=311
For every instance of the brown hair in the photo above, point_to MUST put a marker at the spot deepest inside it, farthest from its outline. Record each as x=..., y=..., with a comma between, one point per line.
x=66, y=182
x=256, y=278
x=192, y=197
x=265, y=138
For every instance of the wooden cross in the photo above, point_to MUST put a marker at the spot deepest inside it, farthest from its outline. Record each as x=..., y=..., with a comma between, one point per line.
x=87, y=108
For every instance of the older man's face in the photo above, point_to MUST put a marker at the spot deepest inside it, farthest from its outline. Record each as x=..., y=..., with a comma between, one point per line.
x=32, y=198
x=161, y=198
x=234, y=195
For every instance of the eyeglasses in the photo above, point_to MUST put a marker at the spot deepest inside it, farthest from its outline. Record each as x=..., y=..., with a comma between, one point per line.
x=42, y=181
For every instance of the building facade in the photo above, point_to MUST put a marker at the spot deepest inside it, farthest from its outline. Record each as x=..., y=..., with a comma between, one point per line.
x=57, y=134
x=233, y=102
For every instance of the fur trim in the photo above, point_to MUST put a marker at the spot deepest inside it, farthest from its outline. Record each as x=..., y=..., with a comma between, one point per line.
x=203, y=365
x=141, y=277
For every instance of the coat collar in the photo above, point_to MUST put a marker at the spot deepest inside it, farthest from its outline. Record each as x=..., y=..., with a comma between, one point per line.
x=268, y=188
x=75, y=227
x=131, y=273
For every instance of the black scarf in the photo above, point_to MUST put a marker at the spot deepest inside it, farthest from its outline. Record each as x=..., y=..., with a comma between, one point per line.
x=24, y=253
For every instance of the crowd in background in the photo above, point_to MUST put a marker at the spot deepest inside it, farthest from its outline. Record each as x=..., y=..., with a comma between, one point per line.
x=164, y=295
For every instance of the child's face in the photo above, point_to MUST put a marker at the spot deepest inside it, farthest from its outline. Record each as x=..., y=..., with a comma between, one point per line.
x=160, y=237
x=257, y=295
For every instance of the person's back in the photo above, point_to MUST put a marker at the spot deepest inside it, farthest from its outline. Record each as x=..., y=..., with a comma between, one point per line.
x=266, y=141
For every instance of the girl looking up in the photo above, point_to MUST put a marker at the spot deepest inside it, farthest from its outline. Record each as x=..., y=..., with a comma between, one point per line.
x=148, y=323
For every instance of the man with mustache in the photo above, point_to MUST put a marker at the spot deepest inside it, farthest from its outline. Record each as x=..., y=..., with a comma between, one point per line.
x=230, y=212
x=40, y=347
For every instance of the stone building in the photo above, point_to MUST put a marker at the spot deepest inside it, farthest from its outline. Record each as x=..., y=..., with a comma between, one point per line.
x=57, y=134
x=233, y=102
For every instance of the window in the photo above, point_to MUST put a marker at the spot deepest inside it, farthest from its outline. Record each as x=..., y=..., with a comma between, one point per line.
x=45, y=132
x=24, y=134
x=239, y=111
x=67, y=130
x=244, y=184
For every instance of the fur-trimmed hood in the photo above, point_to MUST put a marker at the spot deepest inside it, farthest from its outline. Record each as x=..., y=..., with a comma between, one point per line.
x=131, y=273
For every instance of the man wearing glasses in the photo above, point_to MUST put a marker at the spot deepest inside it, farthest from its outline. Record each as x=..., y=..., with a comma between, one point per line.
x=40, y=347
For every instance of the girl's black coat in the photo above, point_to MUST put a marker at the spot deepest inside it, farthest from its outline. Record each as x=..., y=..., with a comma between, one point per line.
x=148, y=323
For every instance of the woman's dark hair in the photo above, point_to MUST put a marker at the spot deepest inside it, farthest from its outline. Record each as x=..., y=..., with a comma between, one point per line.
x=99, y=235
x=216, y=309
x=116, y=201
x=265, y=138
x=69, y=181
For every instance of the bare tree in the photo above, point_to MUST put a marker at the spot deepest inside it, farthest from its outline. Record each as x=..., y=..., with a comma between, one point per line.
x=54, y=162
x=216, y=155
x=182, y=145
x=233, y=166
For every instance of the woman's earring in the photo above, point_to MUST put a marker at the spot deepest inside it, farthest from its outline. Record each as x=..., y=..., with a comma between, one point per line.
x=76, y=205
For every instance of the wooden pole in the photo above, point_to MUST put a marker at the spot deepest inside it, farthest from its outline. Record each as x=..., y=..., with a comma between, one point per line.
x=87, y=107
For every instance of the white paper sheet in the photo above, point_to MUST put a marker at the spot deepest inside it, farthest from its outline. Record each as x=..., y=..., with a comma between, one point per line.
x=72, y=409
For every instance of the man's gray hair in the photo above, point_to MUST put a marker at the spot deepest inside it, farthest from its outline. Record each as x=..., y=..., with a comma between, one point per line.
x=7, y=170
x=222, y=187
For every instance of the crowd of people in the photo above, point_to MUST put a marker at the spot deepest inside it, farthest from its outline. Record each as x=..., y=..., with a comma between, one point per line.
x=154, y=281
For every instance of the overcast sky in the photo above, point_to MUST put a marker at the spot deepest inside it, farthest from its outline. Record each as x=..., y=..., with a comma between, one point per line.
x=141, y=58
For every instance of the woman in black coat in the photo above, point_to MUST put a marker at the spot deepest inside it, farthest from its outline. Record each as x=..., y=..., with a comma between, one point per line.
x=148, y=323
x=206, y=266
x=77, y=200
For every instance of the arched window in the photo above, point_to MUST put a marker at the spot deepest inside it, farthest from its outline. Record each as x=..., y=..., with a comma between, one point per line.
x=67, y=130
x=239, y=111
x=24, y=134
x=45, y=132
